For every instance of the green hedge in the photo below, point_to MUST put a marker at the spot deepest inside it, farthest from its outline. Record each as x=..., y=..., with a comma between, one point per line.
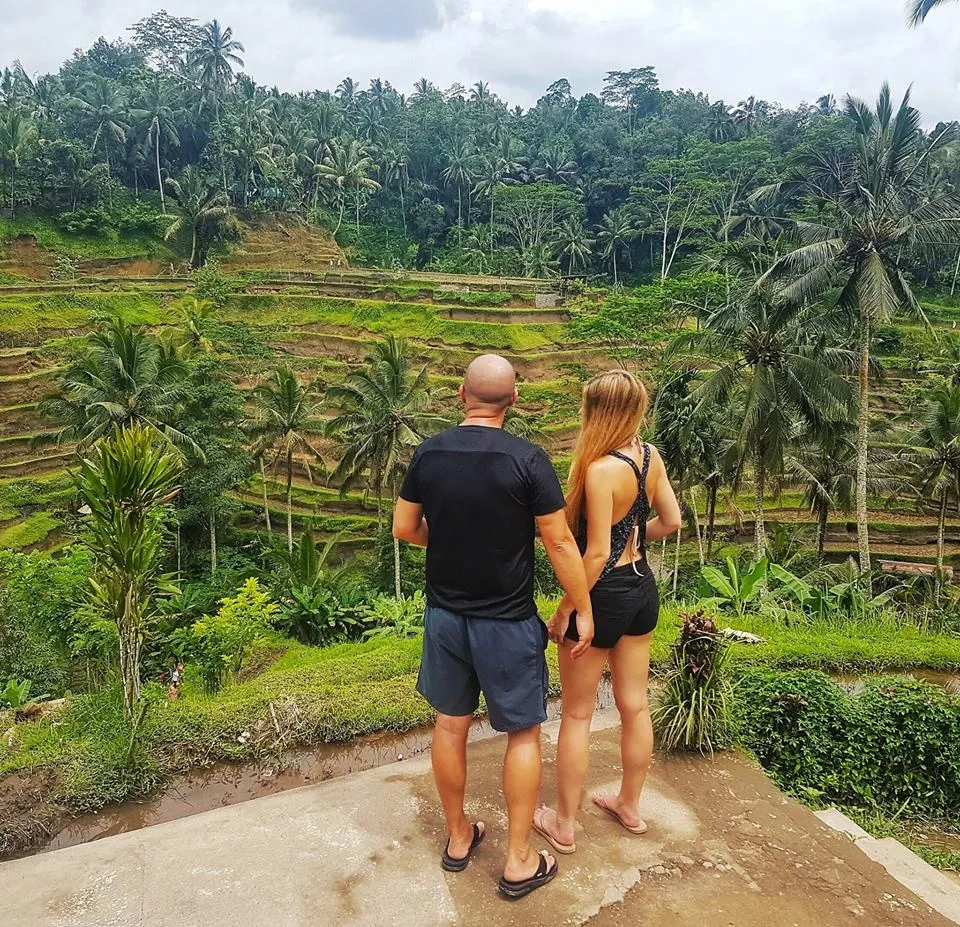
x=894, y=745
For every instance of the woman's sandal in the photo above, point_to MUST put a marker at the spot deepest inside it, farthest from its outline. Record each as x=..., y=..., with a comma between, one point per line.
x=541, y=877
x=540, y=827
x=637, y=830
x=458, y=865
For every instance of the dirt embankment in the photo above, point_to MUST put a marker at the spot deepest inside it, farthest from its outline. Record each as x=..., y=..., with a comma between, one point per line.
x=28, y=813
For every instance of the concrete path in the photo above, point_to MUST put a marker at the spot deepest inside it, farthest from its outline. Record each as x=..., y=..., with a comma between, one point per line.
x=725, y=847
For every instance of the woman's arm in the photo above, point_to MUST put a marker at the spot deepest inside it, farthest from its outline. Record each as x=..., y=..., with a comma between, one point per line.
x=669, y=519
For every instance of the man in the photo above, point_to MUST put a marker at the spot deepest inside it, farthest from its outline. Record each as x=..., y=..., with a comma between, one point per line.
x=472, y=497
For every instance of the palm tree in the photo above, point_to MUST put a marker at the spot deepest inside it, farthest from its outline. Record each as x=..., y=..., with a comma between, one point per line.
x=18, y=134
x=874, y=210
x=213, y=61
x=539, y=261
x=615, y=233
x=347, y=167
x=201, y=210
x=105, y=101
x=574, y=243
x=128, y=479
x=197, y=317
x=918, y=9
x=382, y=415
x=720, y=124
x=156, y=112
x=934, y=451
x=748, y=113
x=460, y=161
x=126, y=376
x=289, y=414
x=768, y=361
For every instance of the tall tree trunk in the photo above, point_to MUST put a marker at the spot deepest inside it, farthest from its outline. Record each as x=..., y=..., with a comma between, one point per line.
x=130, y=645
x=823, y=512
x=696, y=524
x=358, y=211
x=290, y=502
x=712, y=516
x=941, y=531
x=676, y=563
x=759, y=530
x=266, y=500
x=663, y=559
x=213, y=542
x=403, y=209
x=863, y=436
x=956, y=273
x=459, y=216
x=615, y=267
x=396, y=568
x=193, y=249
x=163, y=199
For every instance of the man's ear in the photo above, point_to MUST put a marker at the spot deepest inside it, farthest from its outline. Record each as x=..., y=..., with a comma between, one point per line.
x=463, y=393
x=514, y=398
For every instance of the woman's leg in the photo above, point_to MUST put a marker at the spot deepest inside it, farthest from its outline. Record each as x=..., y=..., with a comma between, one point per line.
x=580, y=680
x=630, y=667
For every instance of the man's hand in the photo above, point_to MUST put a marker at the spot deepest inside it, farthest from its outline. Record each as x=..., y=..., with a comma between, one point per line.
x=585, y=632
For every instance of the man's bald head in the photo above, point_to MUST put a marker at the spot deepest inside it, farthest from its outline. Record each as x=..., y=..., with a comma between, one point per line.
x=491, y=382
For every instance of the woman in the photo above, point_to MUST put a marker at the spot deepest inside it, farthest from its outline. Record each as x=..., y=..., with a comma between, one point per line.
x=614, y=481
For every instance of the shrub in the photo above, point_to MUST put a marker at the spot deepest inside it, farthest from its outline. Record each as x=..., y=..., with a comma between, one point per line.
x=212, y=285
x=400, y=618
x=895, y=745
x=222, y=642
x=693, y=711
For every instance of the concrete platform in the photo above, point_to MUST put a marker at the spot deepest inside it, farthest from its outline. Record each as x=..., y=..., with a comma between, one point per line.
x=725, y=847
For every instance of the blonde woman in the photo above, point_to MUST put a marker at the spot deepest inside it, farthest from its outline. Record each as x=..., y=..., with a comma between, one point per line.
x=615, y=480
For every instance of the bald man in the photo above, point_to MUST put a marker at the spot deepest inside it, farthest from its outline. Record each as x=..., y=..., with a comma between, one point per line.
x=474, y=497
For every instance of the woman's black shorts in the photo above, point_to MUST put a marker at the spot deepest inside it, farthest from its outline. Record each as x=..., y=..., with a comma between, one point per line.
x=626, y=602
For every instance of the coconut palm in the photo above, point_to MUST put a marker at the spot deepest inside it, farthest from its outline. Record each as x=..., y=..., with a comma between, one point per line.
x=934, y=451
x=105, y=102
x=874, y=209
x=128, y=479
x=382, y=415
x=348, y=167
x=918, y=9
x=201, y=210
x=125, y=376
x=615, y=233
x=748, y=113
x=574, y=243
x=769, y=361
x=156, y=114
x=213, y=60
x=18, y=134
x=460, y=162
x=289, y=414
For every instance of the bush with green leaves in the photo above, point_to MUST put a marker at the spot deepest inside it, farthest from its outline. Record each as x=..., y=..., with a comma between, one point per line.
x=399, y=618
x=735, y=588
x=894, y=745
x=694, y=709
x=212, y=285
x=16, y=694
x=220, y=644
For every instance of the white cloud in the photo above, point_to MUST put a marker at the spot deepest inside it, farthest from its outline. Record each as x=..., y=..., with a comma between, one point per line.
x=786, y=51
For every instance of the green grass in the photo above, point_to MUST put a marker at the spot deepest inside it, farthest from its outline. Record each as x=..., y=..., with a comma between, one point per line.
x=83, y=247
x=32, y=530
x=77, y=310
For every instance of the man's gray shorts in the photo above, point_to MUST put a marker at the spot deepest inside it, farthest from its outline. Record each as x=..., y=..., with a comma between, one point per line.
x=505, y=660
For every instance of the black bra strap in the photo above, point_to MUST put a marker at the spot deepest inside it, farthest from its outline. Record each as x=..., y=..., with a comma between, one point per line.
x=641, y=478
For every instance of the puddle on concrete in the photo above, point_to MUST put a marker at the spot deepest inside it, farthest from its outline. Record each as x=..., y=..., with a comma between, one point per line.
x=226, y=784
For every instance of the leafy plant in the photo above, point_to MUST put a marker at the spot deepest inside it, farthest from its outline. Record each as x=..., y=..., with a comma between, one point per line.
x=16, y=695
x=399, y=618
x=735, y=589
x=693, y=711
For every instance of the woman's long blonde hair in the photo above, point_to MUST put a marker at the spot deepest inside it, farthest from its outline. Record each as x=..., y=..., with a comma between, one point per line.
x=614, y=407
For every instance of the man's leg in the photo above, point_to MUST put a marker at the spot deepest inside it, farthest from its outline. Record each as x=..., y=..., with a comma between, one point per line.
x=449, y=757
x=521, y=787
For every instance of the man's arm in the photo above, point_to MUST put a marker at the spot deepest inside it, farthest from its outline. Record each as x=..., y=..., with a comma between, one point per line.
x=567, y=563
x=409, y=524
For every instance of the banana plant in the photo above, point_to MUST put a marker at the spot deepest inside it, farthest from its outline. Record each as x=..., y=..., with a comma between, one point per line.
x=734, y=589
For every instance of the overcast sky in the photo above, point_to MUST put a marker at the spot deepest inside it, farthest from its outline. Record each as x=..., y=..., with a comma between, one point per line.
x=781, y=50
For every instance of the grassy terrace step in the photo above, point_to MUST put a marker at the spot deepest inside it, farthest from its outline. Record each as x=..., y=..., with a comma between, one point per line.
x=28, y=532
x=35, y=466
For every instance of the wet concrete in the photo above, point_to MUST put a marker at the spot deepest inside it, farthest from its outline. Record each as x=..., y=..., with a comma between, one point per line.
x=725, y=847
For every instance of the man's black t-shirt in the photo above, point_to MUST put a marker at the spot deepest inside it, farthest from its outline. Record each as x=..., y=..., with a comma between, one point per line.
x=481, y=489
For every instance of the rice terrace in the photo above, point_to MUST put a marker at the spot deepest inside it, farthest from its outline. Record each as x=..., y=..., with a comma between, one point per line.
x=230, y=314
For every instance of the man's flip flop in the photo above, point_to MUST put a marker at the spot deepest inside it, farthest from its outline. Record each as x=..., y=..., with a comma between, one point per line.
x=458, y=865
x=637, y=830
x=541, y=877
x=565, y=848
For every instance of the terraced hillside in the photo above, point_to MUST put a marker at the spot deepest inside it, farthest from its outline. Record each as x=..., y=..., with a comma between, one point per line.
x=293, y=304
